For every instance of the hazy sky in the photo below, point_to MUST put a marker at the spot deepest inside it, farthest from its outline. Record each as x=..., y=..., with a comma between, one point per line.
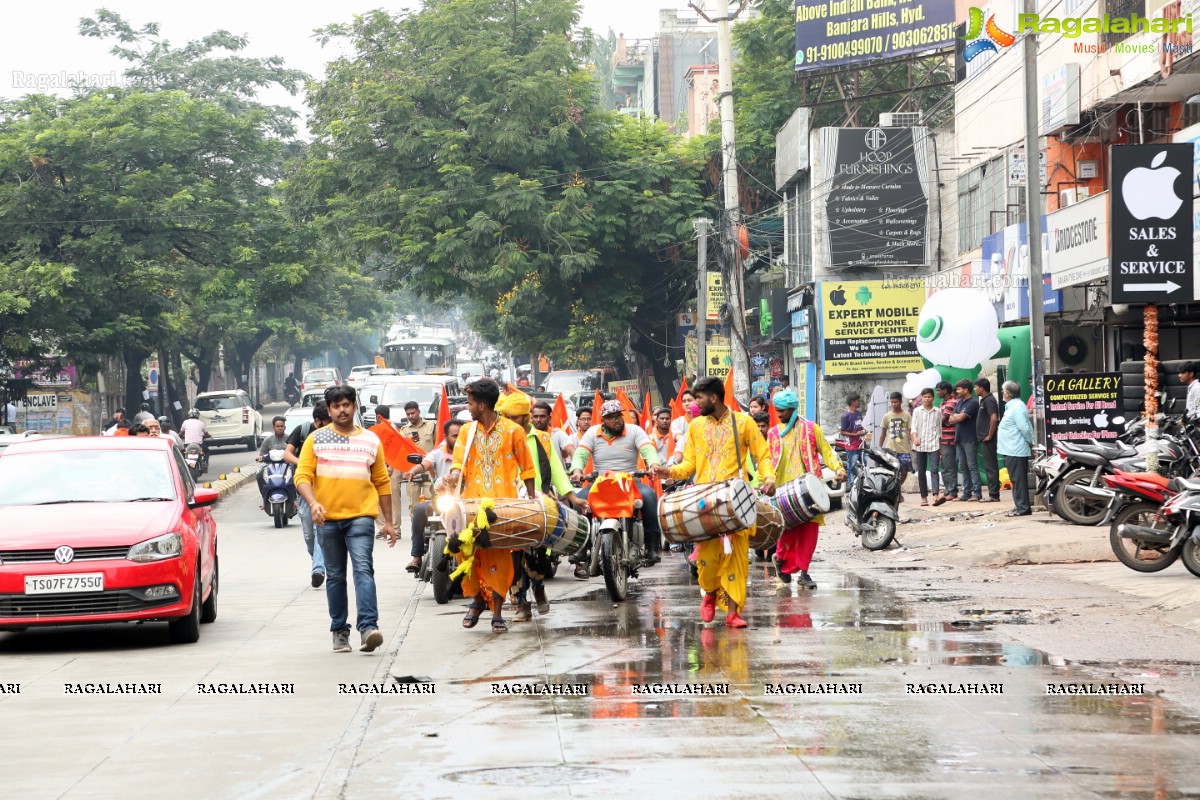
x=39, y=45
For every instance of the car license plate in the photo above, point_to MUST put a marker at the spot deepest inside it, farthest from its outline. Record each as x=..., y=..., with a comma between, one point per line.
x=64, y=584
x=219, y=419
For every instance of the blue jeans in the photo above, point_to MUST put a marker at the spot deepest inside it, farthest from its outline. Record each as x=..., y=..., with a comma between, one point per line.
x=310, y=535
x=968, y=462
x=354, y=537
x=852, y=459
x=949, y=470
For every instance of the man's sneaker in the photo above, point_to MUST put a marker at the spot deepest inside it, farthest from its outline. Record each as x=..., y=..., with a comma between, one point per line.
x=708, y=607
x=805, y=581
x=371, y=638
x=317, y=579
x=524, y=612
x=539, y=597
x=582, y=572
x=341, y=641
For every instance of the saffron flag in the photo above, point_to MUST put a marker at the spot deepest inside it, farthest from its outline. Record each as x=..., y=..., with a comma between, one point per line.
x=628, y=407
x=443, y=418
x=730, y=399
x=774, y=414
x=558, y=416
x=396, y=448
x=647, y=419
x=677, y=403
x=597, y=401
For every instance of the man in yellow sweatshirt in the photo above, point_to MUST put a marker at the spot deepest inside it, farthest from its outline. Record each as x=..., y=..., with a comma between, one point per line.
x=343, y=477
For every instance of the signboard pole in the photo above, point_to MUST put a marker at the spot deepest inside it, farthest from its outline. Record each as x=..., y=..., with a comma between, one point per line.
x=701, y=226
x=1033, y=218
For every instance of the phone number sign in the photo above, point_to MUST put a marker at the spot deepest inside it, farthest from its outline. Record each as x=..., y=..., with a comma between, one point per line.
x=831, y=33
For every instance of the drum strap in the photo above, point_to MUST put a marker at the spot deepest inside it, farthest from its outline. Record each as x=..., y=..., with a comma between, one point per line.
x=472, y=427
x=737, y=447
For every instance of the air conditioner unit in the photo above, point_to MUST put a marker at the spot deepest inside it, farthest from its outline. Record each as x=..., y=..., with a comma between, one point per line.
x=900, y=119
x=1067, y=197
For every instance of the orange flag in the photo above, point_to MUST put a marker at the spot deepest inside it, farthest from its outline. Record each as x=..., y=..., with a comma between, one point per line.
x=396, y=448
x=597, y=401
x=730, y=399
x=677, y=403
x=558, y=415
x=628, y=407
x=773, y=414
x=443, y=418
x=509, y=388
x=647, y=419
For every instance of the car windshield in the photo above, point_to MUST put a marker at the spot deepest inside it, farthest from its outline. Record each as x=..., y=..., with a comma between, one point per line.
x=224, y=403
x=570, y=382
x=85, y=476
x=397, y=394
x=364, y=368
x=318, y=375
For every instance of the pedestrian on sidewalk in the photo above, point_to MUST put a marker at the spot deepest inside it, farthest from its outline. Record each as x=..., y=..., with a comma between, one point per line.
x=295, y=442
x=985, y=427
x=895, y=433
x=343, y=477
x=852, y=431
x=966, y=441
x=926, y=433
x=949, y=458
x=1016, y=437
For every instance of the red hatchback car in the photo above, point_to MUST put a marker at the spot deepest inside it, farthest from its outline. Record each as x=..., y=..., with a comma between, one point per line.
x=105, y=529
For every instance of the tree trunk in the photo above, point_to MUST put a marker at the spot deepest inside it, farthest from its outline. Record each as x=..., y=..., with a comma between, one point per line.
x=243, y=354
x=179, y=386
x=133, y=358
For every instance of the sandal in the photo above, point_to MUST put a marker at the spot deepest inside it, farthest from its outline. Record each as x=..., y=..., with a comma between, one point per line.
x=499, y=625
x=474, y=612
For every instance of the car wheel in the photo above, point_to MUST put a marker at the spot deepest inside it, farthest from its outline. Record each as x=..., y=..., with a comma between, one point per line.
x=208, y=612
x=186, y=629
x=250, y=443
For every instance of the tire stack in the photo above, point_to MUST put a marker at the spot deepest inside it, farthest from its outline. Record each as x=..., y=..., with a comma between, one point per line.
x=1133, y=387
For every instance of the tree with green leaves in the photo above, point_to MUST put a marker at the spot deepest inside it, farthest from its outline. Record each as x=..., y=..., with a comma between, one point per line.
x=466, y=147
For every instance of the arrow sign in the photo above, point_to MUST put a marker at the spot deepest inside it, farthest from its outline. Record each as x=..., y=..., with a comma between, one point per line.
x=1167, y=287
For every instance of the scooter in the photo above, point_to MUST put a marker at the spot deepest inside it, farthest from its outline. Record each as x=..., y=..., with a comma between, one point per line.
x=196, y=459
x=280, y=504
x=873, y=503
x=436, y=566
x=292, y=396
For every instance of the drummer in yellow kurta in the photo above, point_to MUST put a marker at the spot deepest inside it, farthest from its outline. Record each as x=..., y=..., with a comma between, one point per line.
x=492, y=458
x=710, y=454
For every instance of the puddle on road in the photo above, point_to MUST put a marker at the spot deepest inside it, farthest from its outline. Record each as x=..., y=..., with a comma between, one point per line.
x=851, y=631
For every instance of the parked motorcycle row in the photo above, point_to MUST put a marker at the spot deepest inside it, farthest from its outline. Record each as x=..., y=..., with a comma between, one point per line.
x=1153, y=517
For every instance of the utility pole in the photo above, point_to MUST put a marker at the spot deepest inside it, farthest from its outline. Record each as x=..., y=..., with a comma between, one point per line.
x=731, y=212
x=1033, y=216
x=701, y=226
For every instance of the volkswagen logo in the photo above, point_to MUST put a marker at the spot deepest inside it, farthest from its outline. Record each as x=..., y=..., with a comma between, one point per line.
x=64, y=555
x=875, y=139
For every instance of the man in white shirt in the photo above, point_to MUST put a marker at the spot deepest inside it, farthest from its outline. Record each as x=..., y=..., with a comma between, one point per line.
x=194, y=431
x=1187, y=375
x=437, y=465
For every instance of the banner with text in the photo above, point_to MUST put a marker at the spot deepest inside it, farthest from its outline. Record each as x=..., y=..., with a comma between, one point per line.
x=870, y=326
x=1083, y=406
x=830, y=33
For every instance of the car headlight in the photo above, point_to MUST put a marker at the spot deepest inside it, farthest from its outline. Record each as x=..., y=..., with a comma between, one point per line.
x=160, y=548
x=445, y=503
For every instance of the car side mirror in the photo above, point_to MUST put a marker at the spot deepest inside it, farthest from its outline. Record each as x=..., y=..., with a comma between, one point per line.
x=204, y=497
x=413, y=458
x=258, y=407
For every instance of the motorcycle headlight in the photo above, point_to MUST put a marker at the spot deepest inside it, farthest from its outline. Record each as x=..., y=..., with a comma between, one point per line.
x=159, y=548
x=445, y=503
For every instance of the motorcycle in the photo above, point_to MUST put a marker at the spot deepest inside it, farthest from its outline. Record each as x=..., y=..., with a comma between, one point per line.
x=292, y=395
x=436, y=566
x=280, y=502
x=617, y=538
x=1079, y=494
x=1138, y=497
x=196, y=459
x=1162, y=535
x=873, y=503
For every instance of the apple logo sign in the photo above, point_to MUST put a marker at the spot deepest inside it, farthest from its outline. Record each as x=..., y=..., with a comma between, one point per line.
x=838, y=296
x=1101, y=420
x=1151, y=192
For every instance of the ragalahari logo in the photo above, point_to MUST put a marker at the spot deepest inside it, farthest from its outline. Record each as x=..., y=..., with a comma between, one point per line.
x=984, y=38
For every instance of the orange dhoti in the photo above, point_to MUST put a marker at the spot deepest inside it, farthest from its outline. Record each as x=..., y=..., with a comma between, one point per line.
x=725, y=573
x=491, y=572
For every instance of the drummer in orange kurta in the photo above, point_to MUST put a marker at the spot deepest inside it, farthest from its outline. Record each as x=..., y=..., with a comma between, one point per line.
x=492, y=458
x=709, y=453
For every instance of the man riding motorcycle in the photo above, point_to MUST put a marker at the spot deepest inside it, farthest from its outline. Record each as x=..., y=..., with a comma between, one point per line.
x=194, y=431
x=615, y=445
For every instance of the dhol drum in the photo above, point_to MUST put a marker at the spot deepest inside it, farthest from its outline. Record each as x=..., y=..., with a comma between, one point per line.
x=706, y=511
x=519, y=523
x=769, y=526
x=802, y=500
x=568, y=533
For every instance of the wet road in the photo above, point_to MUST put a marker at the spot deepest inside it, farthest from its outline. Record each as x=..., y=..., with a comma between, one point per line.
x=826, y=695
